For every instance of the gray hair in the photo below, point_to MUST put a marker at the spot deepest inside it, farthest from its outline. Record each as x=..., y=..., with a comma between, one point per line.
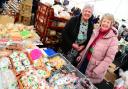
x=88, y=6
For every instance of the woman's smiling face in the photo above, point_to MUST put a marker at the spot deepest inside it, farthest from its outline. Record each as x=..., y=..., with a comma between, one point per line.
x=106, y=24
x=86, y=14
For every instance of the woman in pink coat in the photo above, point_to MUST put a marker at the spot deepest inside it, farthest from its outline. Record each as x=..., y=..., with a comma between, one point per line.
x=100, y=51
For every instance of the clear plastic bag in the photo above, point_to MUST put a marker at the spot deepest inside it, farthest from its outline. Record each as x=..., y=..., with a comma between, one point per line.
x=7, y=81
x=7, y=77
x=119, y=84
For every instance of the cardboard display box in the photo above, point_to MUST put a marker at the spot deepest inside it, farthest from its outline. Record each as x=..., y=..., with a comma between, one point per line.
x=5, y=19
x=110, y=76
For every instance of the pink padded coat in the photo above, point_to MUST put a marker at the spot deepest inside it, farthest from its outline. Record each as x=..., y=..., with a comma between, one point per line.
x=102, y=56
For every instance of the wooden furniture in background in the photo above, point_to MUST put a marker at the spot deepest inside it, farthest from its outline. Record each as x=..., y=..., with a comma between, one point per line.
x=41, y=19
x=46, y=22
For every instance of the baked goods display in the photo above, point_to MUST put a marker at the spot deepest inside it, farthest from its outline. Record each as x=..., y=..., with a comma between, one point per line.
x=34, y=79
x=63, y=79
x=53, y=73
x=18, y=32
x=20, y=61
x=55, y=63
x=15, y=46
x=36, y=57
x=31, y=68
x=83, y=83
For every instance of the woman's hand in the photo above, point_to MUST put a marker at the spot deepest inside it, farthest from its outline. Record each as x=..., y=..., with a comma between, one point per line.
x=77, y=47
x=80, y=48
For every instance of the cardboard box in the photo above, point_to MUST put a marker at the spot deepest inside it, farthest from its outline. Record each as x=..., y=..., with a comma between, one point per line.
x=110, y=76
x=5, y=19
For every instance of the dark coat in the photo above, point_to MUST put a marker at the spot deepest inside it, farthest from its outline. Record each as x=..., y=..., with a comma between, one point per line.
x=71, y=30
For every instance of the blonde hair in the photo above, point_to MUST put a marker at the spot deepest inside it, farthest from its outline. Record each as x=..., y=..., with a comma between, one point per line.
x=109, y=17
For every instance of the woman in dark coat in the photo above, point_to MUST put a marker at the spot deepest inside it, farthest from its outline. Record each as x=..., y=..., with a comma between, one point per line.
x=77, y=33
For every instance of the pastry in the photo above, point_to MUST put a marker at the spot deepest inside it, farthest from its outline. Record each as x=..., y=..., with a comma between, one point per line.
x=20, y=61
x=57, y=62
